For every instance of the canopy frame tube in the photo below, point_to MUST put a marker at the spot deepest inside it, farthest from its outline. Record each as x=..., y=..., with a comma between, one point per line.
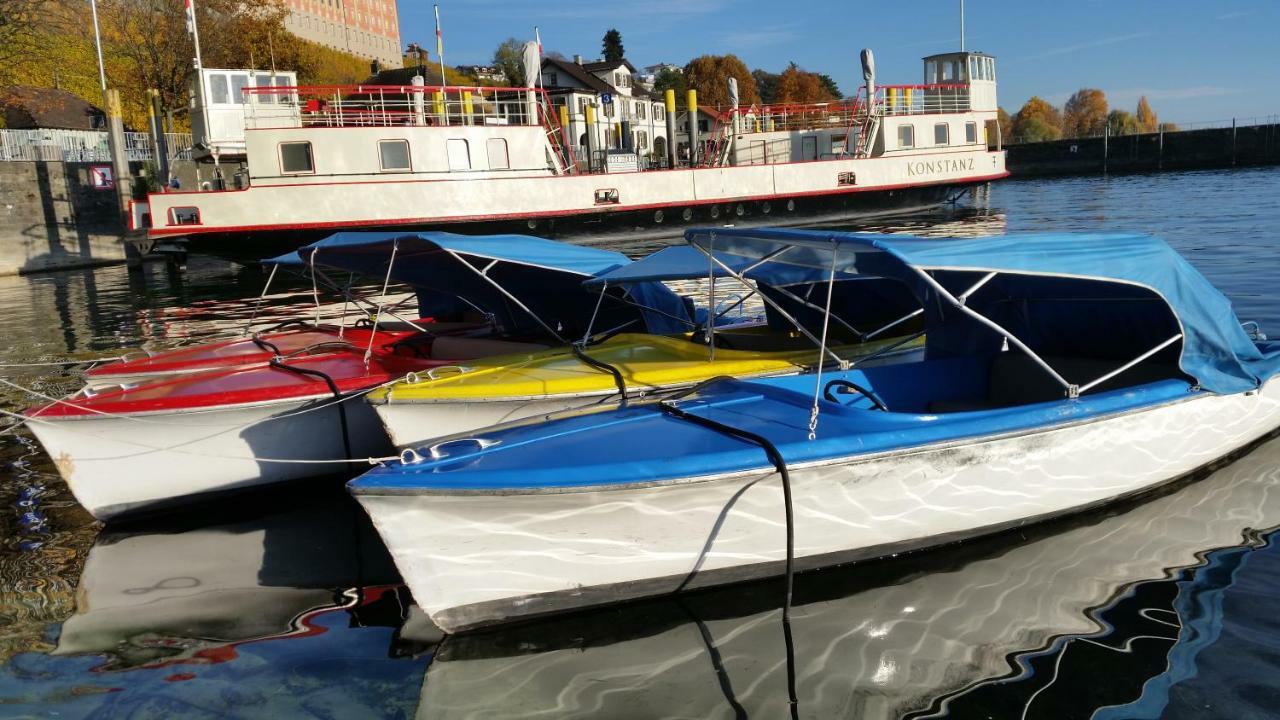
x=483, y=274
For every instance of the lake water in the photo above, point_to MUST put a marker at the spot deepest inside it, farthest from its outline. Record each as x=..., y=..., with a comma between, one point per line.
x=282, y=604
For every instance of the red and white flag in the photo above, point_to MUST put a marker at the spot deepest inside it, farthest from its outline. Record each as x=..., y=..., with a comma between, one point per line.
x=538, y=39
x=191, y=16
x=439, y=36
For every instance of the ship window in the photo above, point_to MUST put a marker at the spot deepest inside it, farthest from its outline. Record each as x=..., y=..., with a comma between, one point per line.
x=295, y=158
x=266, y=97
x=948, y=72
x=459, y=154
x=217, y=89
x=941, y=134
x=973, y=68
x=931, y=72
x=498, y=159
x=393, y=155
x=971, y=132
x=906, y=136
x=838, y=144
x=991, y=69
x=238, y=84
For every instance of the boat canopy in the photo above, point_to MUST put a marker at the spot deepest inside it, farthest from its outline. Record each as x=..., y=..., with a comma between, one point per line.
x=1104, y=296
x=522, y=280
x=792, y=294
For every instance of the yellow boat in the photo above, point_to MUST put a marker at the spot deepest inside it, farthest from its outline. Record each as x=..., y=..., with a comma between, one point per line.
x=457, y=399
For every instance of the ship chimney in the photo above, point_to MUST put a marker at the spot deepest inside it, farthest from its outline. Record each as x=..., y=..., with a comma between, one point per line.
x=577, y=59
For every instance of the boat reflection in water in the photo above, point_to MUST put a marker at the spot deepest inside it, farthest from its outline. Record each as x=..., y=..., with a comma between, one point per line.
x=285, y=612
x=875, y=640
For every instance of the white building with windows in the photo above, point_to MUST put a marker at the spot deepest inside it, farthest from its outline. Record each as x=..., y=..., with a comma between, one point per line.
x=626, y=116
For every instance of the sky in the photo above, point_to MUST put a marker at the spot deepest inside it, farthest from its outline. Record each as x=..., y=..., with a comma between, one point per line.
x=1205, y=61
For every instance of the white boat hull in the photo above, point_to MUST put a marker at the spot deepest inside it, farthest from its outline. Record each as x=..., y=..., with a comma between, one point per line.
x=478, y=559
x=117, y=465
x=412, y=424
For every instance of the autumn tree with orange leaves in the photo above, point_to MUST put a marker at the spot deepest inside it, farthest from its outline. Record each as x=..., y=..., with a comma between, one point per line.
x=797, y=85
x=1085, y=114
x=709, y=75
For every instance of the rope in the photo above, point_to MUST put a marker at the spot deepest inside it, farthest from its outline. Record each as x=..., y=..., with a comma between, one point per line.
x=63, y=363
x=333, y=388
x=779, y=464
x=822, y=349
x=205, y=411
x=368, y=353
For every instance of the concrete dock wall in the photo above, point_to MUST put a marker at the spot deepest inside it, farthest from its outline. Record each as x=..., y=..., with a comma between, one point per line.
x=1183, y=150
x=51, y=217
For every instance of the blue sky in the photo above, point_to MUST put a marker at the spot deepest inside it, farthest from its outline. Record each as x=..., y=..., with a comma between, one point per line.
x=1196, y=61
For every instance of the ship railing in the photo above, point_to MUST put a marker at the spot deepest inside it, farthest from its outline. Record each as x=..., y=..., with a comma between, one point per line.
x=923, y=99
x=798, y=116
x=390, y=106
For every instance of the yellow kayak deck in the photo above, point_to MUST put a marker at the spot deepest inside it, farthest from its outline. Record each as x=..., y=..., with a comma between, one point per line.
x=646, y=362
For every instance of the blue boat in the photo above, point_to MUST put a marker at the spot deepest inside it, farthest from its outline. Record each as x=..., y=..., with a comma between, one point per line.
x=1061, y=372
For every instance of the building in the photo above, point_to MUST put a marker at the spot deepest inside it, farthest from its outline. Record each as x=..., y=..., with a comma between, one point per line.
x=367, y=28
x=649, y=75
x=482, y=73
x=28, y=108
x=628, y=117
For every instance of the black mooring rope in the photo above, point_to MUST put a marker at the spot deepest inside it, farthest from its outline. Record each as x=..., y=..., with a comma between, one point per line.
x=603, y=366
x=276, y=362
x=780, y=464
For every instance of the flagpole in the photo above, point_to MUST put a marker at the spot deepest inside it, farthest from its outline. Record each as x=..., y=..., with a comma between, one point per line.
x=538, y=39
x=97, y=39
x=194, y=29
x=440, y=48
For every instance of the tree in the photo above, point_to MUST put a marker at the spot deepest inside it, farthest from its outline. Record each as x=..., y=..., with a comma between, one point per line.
x=1146, y=117
x=1037, y=121
x=509, y=59
x=766, y=85
x=829, y=83
x=669, y=79
x=1085, y=114
x=19, y=31
x=797, y=85
x=709, y=75
x=1006, y=124
x=1120, y=122
x=613, y=50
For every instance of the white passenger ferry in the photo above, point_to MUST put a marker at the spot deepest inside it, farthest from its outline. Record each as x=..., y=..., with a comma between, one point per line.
x=320, y=159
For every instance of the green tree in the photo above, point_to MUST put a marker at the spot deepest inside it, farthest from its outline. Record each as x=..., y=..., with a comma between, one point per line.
x=766, y=85
x=1146, y=117
x=1037, y=121
x=1120, y=122
x=1085, y=114
x=669, y=79
x=612, y=42
x=508, y=57
x=709, y=75
x=829, y=83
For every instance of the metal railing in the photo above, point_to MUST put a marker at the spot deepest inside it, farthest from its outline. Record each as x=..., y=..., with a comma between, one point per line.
x=923, y=99
x=83, y=146
x=389, y=106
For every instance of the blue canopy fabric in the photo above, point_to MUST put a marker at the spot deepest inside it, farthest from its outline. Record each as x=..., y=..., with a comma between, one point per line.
x=1080, y=294
x=683, y=262
x=544, y=275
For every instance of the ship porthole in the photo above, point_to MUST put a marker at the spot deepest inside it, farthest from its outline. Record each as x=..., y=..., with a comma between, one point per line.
x=740, y=211
x=715, y=211
x=791, y=205
x=765, y=208
x=531, y=224
x=687, y=215
x=658, y=216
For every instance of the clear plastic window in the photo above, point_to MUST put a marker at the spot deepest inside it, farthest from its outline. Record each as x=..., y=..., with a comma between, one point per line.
x=906, y=136
x=393, y=155
x=218, y=89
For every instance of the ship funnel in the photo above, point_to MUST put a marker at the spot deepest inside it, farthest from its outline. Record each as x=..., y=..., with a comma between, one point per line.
x=869, y=72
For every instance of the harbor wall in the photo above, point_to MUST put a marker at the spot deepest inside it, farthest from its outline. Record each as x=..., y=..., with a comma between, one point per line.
x=1182, y=150
x=51, y=217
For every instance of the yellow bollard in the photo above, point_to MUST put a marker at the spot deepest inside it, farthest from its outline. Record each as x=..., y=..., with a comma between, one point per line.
x=670, y=100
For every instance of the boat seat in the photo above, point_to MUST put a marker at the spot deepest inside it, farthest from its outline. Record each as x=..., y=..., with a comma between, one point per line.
x=1016, y=379
x=448, y=347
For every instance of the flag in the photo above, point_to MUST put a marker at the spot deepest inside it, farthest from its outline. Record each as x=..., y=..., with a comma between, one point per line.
x=538, y=39
x=439, y=37
x=191, y=16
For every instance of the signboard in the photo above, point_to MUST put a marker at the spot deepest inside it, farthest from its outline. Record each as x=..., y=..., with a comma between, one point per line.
x=616, y=162
x=606, y=98
x=102, y=177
